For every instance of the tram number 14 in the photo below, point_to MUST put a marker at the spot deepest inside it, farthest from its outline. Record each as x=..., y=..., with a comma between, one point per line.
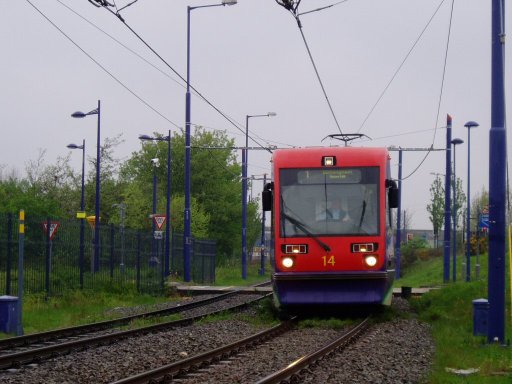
x=329, y=260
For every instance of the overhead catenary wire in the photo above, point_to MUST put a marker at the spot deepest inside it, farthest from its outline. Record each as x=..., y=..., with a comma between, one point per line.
x=118, y=15
x=400, y=67
x=440, y=93
x=292, y=6
x=120, y=43
x=101, y=66
x=106, y=4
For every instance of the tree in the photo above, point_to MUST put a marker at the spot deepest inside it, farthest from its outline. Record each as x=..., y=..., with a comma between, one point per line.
x=436, y=208
x=479, y=203
x=459, y=203
x=216, y=188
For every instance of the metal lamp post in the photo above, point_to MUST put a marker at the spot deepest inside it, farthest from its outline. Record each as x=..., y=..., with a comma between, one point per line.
x=469, y=125
x=262, y=253
x=455, y=142
x=187, y=240
x=154, y=259
x=168, y=202
x=82, y=209
x=245, y=156
x=96, y=111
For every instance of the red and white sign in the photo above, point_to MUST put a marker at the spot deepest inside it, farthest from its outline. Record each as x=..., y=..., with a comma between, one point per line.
x=159, y=220
x=54, y=225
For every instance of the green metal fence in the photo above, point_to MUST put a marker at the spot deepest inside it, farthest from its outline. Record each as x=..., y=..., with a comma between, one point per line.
x=54, y=260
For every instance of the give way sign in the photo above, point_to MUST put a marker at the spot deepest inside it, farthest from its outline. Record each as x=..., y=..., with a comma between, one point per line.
x=54, y=225
x=159, y=221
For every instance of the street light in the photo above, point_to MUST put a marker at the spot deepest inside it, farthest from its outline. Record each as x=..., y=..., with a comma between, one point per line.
x=187, y=241
x=168, y=203
x=455, y=142
x=80, y=115
x=82, y=209
x=245, y=159
x=469, y=125
x=262, y=253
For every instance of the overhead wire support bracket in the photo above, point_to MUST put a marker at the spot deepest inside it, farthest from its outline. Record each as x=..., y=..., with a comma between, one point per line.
x=346, y=137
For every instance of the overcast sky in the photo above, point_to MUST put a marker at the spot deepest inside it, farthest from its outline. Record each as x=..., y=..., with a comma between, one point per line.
x=250, y=59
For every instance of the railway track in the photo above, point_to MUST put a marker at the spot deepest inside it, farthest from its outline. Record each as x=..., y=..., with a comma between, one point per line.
x=35, y=348
x=292, y=373
x=195, y=368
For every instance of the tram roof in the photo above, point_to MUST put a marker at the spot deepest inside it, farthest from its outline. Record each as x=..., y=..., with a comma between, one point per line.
x=346, y=156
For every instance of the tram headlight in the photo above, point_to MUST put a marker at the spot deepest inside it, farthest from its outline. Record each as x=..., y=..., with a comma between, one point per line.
x=288, y=262
x=294, y=248
x=370, y=260
x=364, y=247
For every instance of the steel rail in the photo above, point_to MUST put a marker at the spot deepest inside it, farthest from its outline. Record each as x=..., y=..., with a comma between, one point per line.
x=37, y=355
x=63, y=333
x=291, y=372
x=180, y=368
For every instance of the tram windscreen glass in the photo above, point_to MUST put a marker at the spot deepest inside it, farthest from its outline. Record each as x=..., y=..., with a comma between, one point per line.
x=340, y=201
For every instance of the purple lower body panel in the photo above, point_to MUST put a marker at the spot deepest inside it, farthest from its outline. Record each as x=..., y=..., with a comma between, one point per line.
x=333, y=288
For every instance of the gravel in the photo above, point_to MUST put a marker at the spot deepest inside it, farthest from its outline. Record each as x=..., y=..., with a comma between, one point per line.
x=397, y=351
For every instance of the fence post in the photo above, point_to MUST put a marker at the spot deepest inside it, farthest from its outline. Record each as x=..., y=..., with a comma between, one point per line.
x=21, y=244
x=81, y=257
x=164, y=263
x=48, y=257
x=138, y=261
x=9, y=255
x=112, y=233
x=172, y=250
x=202, y=262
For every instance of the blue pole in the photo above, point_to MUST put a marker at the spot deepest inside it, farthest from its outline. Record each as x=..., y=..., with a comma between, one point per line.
x=187, y=232
x=399, y=217
x=455, y=142
x=168, y=207
x=187, y=235
x=262, y=252
x=97, y=208
x=244, y=207
x=82, y=221
x=469, y=125
x=454, y=275
x=468, y=214
x=447, y=204
x=21, y=248
x=497, y=179
x=154, y=258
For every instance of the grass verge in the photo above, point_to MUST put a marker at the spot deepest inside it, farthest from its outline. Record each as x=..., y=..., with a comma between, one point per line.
x=75, y=308
x=449, y=310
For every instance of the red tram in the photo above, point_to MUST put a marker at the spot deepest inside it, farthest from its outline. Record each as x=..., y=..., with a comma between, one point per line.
x=332, y=241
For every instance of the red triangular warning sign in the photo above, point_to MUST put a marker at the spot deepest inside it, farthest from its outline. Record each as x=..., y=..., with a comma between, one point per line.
x=54, y=225
x=159, y=221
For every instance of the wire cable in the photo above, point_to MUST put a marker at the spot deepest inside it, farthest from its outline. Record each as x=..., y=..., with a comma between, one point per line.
x=292, y=6
x=440, y=93
x=120, y=43
x=399, y=68
x=101, y=66
x=181, y=77
x=318, y=77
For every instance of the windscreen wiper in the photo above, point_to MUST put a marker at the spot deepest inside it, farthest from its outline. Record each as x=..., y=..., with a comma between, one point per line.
x=362, y=213
x=303, y=228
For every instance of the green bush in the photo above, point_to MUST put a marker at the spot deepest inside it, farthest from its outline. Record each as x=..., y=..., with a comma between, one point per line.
x=410, y=251
x=478, y=246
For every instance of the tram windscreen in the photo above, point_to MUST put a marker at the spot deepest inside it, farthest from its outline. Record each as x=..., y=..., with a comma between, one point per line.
x=329, y=202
